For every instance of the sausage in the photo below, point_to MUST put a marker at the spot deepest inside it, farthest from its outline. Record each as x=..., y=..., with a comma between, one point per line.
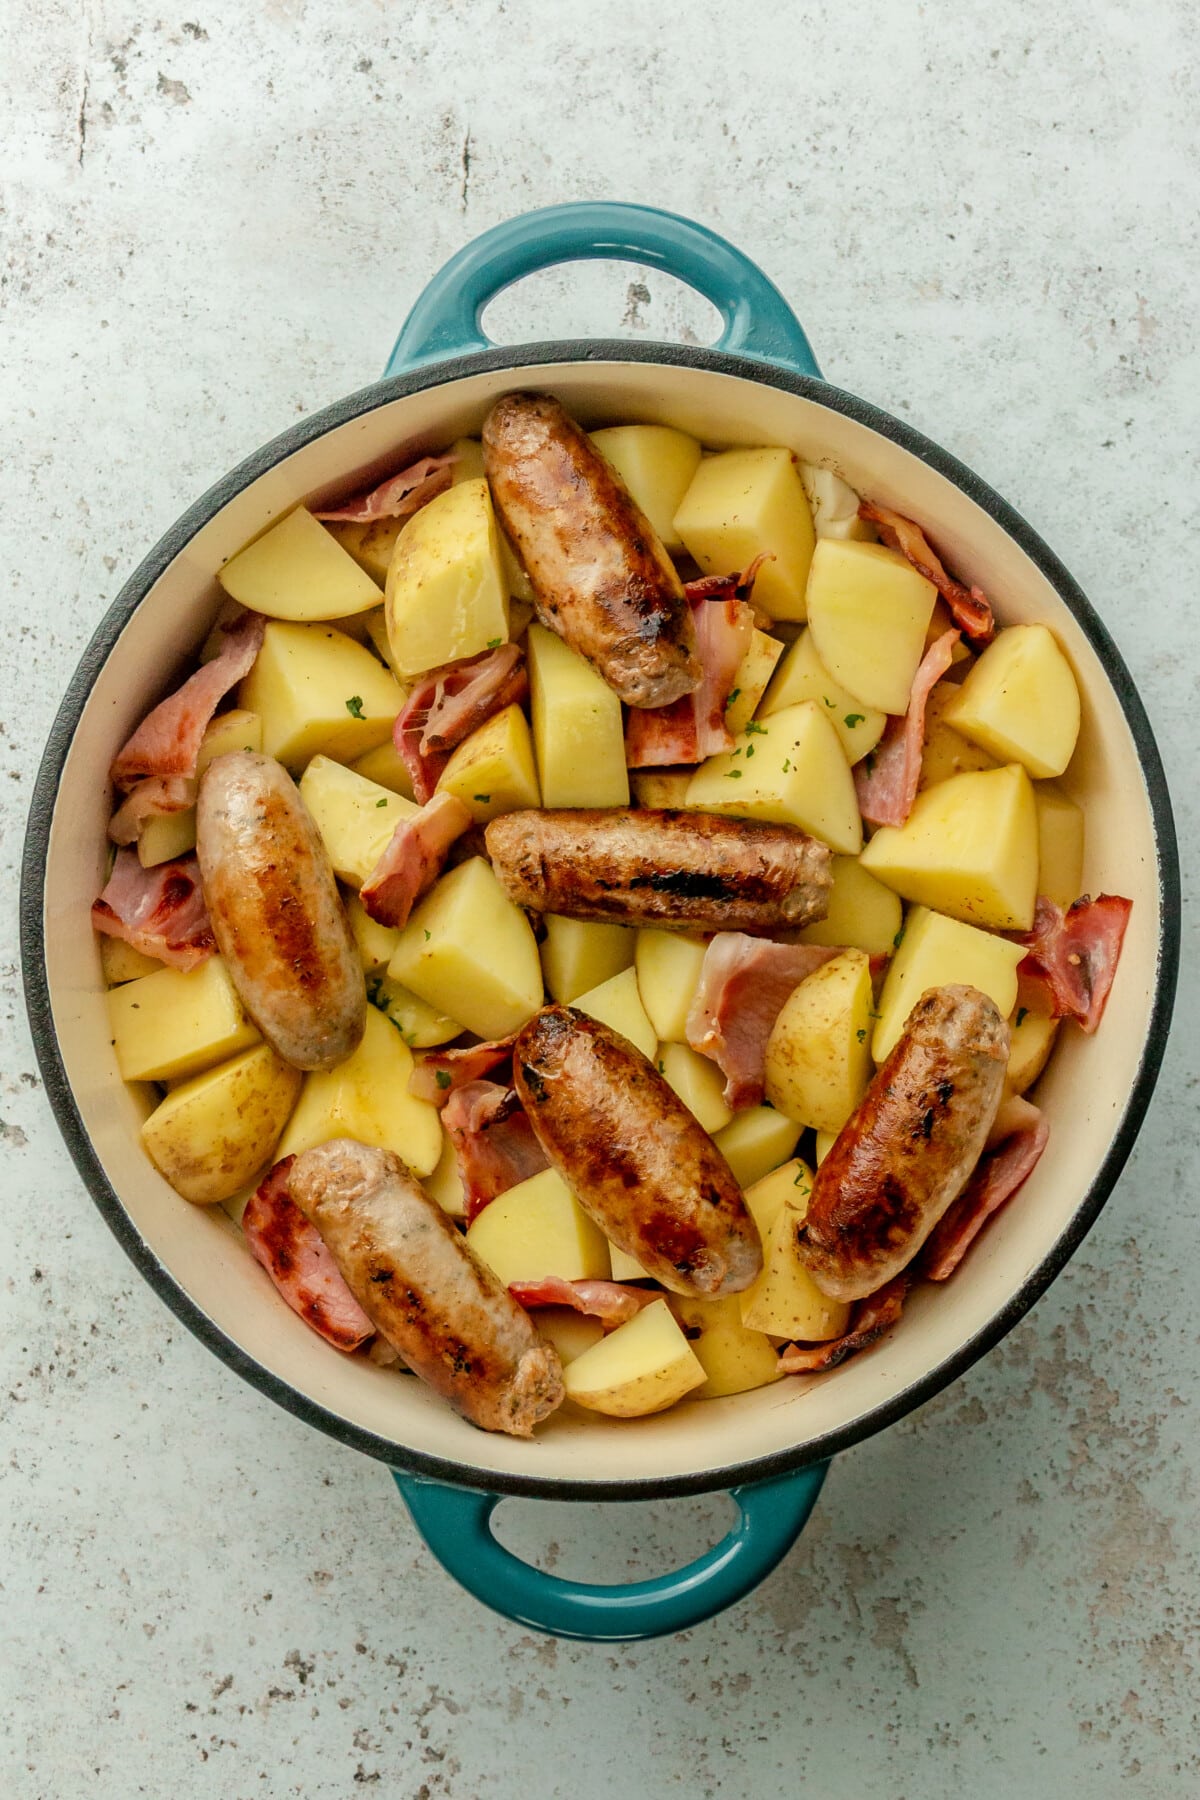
x=275, y=911
x=634, y=1156
x=909, y=1148
x=681, y=871
x=600, y=576
x=455, y=1324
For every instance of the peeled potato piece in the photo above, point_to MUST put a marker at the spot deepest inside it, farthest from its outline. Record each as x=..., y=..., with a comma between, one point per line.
x=818, y=1059
x=297, y=570
x=642, y=1367
x=212, y=1134
x=734, y=1359
x=868, y=612
x=937, y=952
x=790, y=769
x=746, y=503
x=1020, y=701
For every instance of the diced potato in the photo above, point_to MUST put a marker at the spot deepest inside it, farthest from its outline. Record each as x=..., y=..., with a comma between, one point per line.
x=172, y=1024
x=579, y=954
x=578, y=733
x=734, y=1360
x=946, y=751
x=469, y=467
x=538, y=1228
x=170, y=835
x=1033, y=1036
x=212, y=1134
x=492, y=770
x=385, y=768
x=376, y=943
x=370, y=543
x=746, y=503
x=121, y=962
x=422, y=1027
x=374, y=626
x=657, y=464
x=785, y=1300
x=668, y=971
x=617, y=1003
x=233, y=730
x=624, y=1266
x=1060, y=844
x=1020, y=701
x=570, y=1332
x=941, y=621
x=868, y=611
x=470, y=953
x=970, y=849
x=642, y=1367
x=818, y=1053
x=756, y=1141
x=355, y=817
x=788, y=1185
x=936, y=952
x=367, y=1098
x=317, y=690
x=750, y=682
x=834, y=505
x=446, y=592
x=803, y=676
x=468, y=460
x=863, y=914
x=445, y=1183
x=789, y=768
x=661, y=788
x=825, y=1142
x=698, y=1082
x=297, y=570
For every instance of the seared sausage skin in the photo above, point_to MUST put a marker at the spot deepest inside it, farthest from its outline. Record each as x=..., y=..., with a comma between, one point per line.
x=275, y=911
x=455, y=1324
x=634, y=1156
x=910, y=1146
x=601, y=578
x=680, y=871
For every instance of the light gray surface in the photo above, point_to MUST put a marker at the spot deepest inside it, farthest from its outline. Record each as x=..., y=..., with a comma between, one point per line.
x=212, y=223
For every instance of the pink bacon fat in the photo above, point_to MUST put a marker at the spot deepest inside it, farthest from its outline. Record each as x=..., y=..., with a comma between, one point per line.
x=1073, y=956
x=998, y=1174
x=160, y=911
x=167, y=742
x=413, y=859
x=493, y=1142
x=886, y=781
x=295, y=1257
x=693, y=726
x=612, y=1302
x=398, y=496
x=448, y=704
x=744, y=982
x=439, y=1072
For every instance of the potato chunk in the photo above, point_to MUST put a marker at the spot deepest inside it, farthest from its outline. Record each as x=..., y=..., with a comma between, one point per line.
x=570, y=1332
x=746, y=503
x=756, y=1141
x=468, y=466
x=803, y=676
x=370, y=543
x=936, y=952
x=297, y=570
x=384, y=767
x=355, y=817
x=788, y=1185
x=120, y=962
x=446, y=593
x=213, y=1133
x=367, y=1098
x=657, y=464
x=698, y=1082
x=1020, y=701
x=750, y=683
x=868, y=611
x=734, y=1360
x=617, y=1002
x=469, y=952
x=422, y=1027
x=665, y=789
x=538, y=1228
x=1060, y=844
x=862, y=915
x=970, y=849
x=579, y=954
x=668, y=971
x=785, y=1300
x=492, y=770
x=445, y=1183
x=315, y=689
x=947, y=752
x=642, y=1367
x=172, y=1024
x=578, y=733
x=790, y=769
x=1033, y=1036
x=818, y=1053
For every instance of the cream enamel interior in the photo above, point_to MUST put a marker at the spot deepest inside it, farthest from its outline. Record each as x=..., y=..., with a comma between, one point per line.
x=1085, y=1092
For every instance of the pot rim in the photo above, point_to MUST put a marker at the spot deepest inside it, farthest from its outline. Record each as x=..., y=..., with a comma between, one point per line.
x=36, y=978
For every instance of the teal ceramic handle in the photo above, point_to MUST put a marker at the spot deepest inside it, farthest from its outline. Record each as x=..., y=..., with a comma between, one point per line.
x=456, y=1525
x=757, y=320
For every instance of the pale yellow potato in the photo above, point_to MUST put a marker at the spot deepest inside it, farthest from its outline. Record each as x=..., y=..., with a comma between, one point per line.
x=468, y=466
x=1060, y=844
x=120, y=962
x=617, y=1003
x=642, y=1367
x=947, y=752
x=492, y=770
x=297, y=570
x=355, y=817
x=374, y=626
x=376, y=943
x=468, y=952
x=578, y=733
x=756, y=1141
x=803, y=676
x=570, y=1332
x=668, y=971
x=970, y=849
x=422, y=1027
x=367, y=1098
x=445, y=1183
x=1020, y=701
x=862, y=915
x=734, y=1360
x=789, y=768
x=746, y=503
x=315, y=689
x=750, y=683
x=170, y=835
x=446, y=592
x=1033, y=1036
x=580, y=954
x=868, y=612
x=171, y=1024
x=656, y=464
x=664, y=789
x=370, y=543
x=384, y=766
x=819, y=1054
x=938, y=952
x=698, y=1082
x=784, y=1300
x=468, y=460
x=624, y=1266
x=215, y=1132
x=538, y=1228
x=788, y=1185
x=825, y=1142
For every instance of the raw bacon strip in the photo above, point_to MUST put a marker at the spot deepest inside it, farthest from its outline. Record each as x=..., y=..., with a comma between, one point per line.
x=1075, y=955
x=998, y=1175
x=886, y=781
x=438, y=1074
x=609, y=1301
x=493, y=1142
x=295, y=1257
x=160, y=911
x=167, y=742
x=413, y=859
x=150, y=799
x=871, y=1318
x=693, y=726
x=744, y=982
x=448, y=704
x=969, y=606
x=399, y=495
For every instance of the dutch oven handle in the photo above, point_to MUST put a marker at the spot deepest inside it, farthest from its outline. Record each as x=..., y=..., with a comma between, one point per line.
x=446, y=320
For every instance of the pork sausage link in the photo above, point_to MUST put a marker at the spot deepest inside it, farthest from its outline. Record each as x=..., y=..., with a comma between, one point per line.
x=455, y=1324
x=910, y=1146
x=681, y=871
x=634, y=1156
x=275, y=911
x=601, y=578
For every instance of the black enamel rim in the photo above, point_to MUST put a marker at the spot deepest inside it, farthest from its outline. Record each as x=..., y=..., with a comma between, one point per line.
x=33, y=948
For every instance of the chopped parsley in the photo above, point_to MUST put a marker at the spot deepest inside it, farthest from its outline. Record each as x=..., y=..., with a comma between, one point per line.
x=441, y=1076
x=749, y=751
x=483, y=799
x=494, y=643
x=380, y=803
x=828, y=701
x=861, y=1035
x=734, y=775
x=428, y=935
x=354, y=706
x=753, y=730
x=733, y=694
x=899, y=937
x=787, y=763
x=853, y=719
x=1022, y=1015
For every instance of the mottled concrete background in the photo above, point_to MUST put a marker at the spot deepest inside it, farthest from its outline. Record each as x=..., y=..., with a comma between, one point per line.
x=213, y=221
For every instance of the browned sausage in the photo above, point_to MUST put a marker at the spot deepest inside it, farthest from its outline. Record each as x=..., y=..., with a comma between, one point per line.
x=910, y=1146
x=634, y=1156
x=275, y=911
x=681, y=871
x=455, y=1324
x=600, y=576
